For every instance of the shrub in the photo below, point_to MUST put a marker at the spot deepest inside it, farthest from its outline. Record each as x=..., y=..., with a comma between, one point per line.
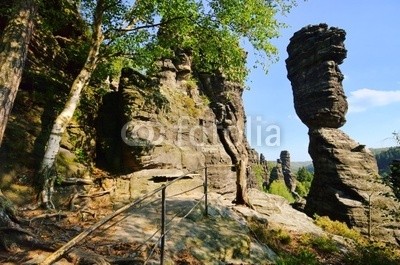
x=304, y=178
x=338, y=228
x=259, y=174
x=301, y=189
x=303, y=257
x=320, y=243
x=373, y=254
x=278, y=187
x=365, y=252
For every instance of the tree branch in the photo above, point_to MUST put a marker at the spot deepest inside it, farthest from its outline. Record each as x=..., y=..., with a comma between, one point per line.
x=151, y=25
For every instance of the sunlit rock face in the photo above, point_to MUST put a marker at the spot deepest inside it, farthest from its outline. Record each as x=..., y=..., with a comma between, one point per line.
x=346, y=183
x=314, y=55
x=175, y=122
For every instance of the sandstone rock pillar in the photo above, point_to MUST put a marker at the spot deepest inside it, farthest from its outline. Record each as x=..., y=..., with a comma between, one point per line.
x=346, y=181
x=290, y=180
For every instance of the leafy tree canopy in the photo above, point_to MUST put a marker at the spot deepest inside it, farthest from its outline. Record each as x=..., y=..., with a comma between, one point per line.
x=146, y=30
x=303, y=175
x=385, y=158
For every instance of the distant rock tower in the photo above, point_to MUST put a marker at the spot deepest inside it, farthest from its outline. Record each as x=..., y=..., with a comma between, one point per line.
x=289, y=178
x=346, y=179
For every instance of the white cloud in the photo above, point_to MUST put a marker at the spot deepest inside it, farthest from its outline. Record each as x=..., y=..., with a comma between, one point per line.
x=365, y=98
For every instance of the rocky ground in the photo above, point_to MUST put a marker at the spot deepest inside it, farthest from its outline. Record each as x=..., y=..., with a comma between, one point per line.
x=229, y=234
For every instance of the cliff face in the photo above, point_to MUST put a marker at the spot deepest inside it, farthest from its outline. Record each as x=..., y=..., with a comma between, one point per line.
x=173, y=124
x=168, y=124
x=346, y=183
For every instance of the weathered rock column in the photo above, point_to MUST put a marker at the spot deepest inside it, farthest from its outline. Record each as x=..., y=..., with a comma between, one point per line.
x=290, y=180
x=346, y=180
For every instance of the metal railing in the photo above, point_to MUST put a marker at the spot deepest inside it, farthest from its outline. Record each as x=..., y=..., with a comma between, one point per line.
x=166, y=225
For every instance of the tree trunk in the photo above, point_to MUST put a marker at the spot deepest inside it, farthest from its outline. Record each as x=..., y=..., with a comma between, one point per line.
x=62, y=120
x=241, y=182
x=14, y=47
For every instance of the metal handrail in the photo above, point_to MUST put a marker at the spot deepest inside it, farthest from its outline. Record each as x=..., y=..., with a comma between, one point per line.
x=163, y=229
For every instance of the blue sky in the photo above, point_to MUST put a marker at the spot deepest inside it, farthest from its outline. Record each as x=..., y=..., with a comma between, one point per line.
x=372, y=78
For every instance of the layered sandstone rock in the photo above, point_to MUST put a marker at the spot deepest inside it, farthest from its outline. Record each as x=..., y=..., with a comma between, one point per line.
x=314, y=55
x=173, y=124
x=289, y=178
x=276, y=172
x=346, y=183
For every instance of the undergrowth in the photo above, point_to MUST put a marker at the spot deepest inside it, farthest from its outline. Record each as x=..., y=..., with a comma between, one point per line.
x=311, y=249
x=364, y=251
x=278, y=187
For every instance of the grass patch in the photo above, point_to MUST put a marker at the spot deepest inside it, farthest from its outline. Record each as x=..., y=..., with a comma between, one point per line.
x=322, y=244
x=303, y=257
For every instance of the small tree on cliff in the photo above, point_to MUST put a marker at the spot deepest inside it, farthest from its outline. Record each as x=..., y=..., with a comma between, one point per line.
x=211, y=29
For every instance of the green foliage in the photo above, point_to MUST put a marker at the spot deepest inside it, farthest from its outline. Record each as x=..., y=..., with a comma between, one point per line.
x=308, y=249
x=303, y=175
x=259, y=174
x=278, y=187
x=81, y=156
x=61, y=17
x=323, y=244
x=373, y=254
x=301, y=189
x=385, y=158
x=206, y=101
x=303, y=257
x=189, y=105
x=304, y=178
x=211, y=30
x=191, y=84
x=394, y=178
x=274, y=238
x=109, y=69
x=365, y=252
x=337, y=228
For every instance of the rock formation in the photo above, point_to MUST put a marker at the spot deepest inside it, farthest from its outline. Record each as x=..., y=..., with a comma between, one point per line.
x=276, y=172
x=173, y=124
x=346, y=180
x=289, y=178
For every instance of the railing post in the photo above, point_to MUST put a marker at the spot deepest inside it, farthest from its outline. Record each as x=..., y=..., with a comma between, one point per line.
x=163, y=222
x=205, y=191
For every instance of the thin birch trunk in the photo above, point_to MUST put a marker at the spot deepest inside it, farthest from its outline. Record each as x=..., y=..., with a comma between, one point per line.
x=62, y=120
x=14, y=49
